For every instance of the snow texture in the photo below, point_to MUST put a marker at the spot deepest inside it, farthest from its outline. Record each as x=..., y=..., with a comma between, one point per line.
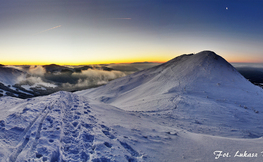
x=188, y=109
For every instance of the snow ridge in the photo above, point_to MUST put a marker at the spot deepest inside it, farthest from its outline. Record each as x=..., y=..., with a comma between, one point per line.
x=204, y=73
x=198, y=89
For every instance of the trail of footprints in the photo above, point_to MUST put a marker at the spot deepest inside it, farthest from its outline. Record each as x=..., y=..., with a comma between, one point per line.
x=77, y=138
x=133, y=153
x=64, y=131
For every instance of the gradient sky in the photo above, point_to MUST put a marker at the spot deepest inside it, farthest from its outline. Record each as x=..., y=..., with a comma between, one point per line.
x=114, y=31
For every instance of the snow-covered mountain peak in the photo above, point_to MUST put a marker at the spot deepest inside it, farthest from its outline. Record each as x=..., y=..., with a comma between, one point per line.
x=205, y=74
x=200, y=56
x=204, y=59
x=208, y=54
x=209, y=58
x=197, y=88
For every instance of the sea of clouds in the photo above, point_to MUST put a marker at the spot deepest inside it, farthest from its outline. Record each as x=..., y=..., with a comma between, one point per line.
x=68, y=78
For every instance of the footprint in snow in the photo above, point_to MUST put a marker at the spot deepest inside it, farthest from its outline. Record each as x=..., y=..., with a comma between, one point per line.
x=106, y=131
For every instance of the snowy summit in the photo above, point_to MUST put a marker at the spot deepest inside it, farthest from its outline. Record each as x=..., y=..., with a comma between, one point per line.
x=195, y=107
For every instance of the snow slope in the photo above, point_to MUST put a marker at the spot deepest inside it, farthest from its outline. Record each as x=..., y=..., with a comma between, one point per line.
x=56, y=128
x=173, y=112
x=203, y=74
x=199, y=90
x=66, y=127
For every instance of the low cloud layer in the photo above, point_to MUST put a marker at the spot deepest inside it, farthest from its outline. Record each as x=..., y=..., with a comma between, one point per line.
x=74, y=77
x=34, y=81
x=37, y=70
x=248, y=65
x=93, y=77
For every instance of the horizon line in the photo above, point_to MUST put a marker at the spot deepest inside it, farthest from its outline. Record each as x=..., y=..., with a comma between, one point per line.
x=61, y=64
x=36, y=64
x=80, y=64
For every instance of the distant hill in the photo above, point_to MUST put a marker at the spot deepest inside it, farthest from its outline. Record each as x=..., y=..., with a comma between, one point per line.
x=202, y=87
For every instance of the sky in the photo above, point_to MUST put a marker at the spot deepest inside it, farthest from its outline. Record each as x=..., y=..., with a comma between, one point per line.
x=120, y=31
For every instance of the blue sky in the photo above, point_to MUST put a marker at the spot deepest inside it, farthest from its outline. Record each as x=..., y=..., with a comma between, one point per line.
x=104, y=31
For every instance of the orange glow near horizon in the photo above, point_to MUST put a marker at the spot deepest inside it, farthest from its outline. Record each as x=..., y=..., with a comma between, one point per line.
x=120, y=61
x=124, y=61
x=156, y=57
x=243, y=60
